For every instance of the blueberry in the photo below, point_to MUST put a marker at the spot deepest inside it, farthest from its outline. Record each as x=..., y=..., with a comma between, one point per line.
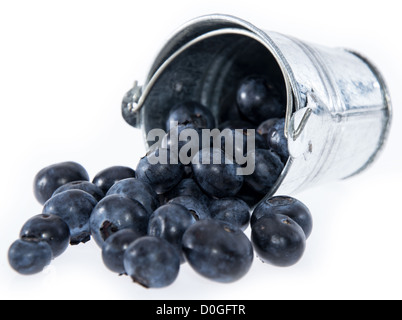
x=29, y=257
x=232, y=211
x=197, y=208
x=187, y=187
x=238, y=139
x=191, y=112
x=236, y=124
x=278, y=240
x=288, y=206
x=108, y=177
x=164, y=174
x=114, y=247
x=86, y=186
x=188, y=172
x=218, y=251
x=49, y=228
x=228, y=109
x=220, y=179
x=170, y=222
x=250, y=196
x=152, y=262
x=75, y=208
x=268, y=168
x=50, y=178
x=273, y=131
x=182, y=135
x=114, y=213
x=258, y=100
x=138, y=190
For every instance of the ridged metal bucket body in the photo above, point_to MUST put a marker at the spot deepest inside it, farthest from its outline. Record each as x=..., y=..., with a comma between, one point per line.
x=338, y=106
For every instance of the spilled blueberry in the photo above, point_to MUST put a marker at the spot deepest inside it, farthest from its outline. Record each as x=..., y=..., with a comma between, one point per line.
x=152, y=262
x=169, y=222
x=106, y=178
x=115, y=213
x=52, y=177
x=75, y=208
x=218, y=251
x=233, y=211
x=186, y=187
x=158, y=169
x=49, y=228
x=268, y=167
x=216, y=174
x=138, y=190
x=29, y=257
x=288, y=206
x=198, y=209
x=115, y=246
x=86, y=186
x=278, y=240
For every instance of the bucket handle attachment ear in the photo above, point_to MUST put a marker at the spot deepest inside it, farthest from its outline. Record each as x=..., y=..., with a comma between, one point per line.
x=312, y=103
x=297, y=132
x=130, y=105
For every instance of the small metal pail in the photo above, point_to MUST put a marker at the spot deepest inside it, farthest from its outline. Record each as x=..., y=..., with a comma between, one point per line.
x=338, y=107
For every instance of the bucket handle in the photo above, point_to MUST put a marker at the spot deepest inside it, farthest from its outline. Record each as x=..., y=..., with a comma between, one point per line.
x=131, y=106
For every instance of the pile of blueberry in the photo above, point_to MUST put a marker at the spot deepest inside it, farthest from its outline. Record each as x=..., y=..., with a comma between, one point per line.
x=150, y=220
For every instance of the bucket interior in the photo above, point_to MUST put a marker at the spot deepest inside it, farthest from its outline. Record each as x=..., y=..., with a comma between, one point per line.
x=208, y=70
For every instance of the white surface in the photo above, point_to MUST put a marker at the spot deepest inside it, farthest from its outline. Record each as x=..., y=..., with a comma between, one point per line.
x=64, y=68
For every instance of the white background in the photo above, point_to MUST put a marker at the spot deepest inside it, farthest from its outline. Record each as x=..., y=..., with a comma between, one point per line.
x=64, y=68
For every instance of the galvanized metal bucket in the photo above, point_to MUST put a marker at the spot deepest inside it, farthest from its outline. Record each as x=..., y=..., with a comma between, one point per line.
x=338, y=107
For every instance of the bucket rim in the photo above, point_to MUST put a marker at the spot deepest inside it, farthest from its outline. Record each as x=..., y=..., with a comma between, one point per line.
x=182, y=36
